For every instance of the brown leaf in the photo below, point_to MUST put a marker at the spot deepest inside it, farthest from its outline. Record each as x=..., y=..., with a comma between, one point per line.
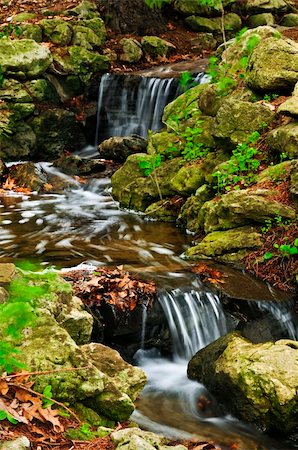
x=7, y=408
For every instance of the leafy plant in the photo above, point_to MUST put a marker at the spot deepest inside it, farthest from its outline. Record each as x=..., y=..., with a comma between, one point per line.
x=186, y=80
x=5, y=415
x=46, y=400
x=192, y=149
x=241, y=167
x=86, y=430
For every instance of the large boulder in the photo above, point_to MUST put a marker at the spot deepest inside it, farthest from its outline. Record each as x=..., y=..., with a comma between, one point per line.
x=258, y=382
x=232, y=22
x=273, y=65
x=243, y=207
x=189, y=215
x=18, y=143
x=284, y=139
x=155, y=47
x=57, y=31
x=189, y=7
x=23, y=58
x=263, y=6
x=132, y=50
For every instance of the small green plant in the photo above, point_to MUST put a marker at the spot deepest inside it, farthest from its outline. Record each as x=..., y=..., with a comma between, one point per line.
x=186, y=80
x=192, y=149
x=288, y=250
x=85, y=429
x=148, y=165
x=241, y=167
x=7, y=30
x=5, y=415
x=46, y=400
x=269, y=97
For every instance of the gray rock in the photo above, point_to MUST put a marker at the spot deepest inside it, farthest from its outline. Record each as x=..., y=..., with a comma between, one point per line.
x=284, y=139
x=21, y=443
x=119, y=148
x=259, y=20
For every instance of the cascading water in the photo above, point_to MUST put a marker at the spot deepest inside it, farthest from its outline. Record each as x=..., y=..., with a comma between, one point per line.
x=130, y=104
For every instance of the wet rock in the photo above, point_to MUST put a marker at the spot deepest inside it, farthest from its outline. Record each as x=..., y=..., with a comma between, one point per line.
x=229, y=245
x=258, y=382
x=259, y=20
x=56, y=130
x=24, y=58
x=136, y=439
x=74, y=165
x=273, y=65
x=28, y=175
x=284, y=139
x=165, y=210
x=243, y=207
x=119, y=148
x=132, y=50
x=232, y=22
x=237, y=119
x=154, y=46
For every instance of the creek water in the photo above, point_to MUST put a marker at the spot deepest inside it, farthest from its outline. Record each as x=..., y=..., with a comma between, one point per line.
x=83, y=224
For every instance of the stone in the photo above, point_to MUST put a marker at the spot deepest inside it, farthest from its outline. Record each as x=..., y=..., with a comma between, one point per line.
x=289, y=107
x=262, y=19
x=257, y=382
x=164, y=210
x=290, y=20
x=284, y=139
x=23, y=17
x=263, y=6
x=57, y=31
x=28, y=175
x=273, y=65
x=21, y=443
x=223, y=245
x=189, y=215
x=276, y=173
x=135, y=191
x=193, y=174
x=232, y=22
x=127, y=378
x=13, y=91
x=30, y=31
x=18, y=142
x=77, y=60
x=189, y=7
x=24, y=58
x=42, y=90
x=164, y=143
x=182, y=107
x=56, y=130
x=86, y=37
x=294, y=177
x=7, y=272
x=155, y=47
x=236, y=120
x=118, y=148
x=203, y=42
x=84, y=10
x=209, y=101
x=132, y=50
x=97, y=25
x=75, y=165
x=136, y=439
x=238, y=208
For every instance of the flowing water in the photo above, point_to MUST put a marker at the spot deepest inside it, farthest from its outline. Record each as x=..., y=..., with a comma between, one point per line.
x=84, y=225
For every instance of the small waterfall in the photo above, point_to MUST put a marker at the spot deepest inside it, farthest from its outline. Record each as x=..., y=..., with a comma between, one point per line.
x=131, y=104
x=283, y=313
x=195, y=319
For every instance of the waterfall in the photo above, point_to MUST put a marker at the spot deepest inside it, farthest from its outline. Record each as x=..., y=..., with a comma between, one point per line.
x=283, y=313
x=195, y=319
x=132, y=104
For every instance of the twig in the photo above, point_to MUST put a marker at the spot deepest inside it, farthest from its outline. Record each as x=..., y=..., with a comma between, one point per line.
x=45, y=372
x=22, y=386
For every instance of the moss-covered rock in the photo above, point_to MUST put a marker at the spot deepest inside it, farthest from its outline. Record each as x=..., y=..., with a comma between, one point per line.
x=84, y=10
x=85, y=37
x=119, y=148
x=28, y=175
x=57, y=31
x=132, y=50
x=56, y=130
x=284, y=139
x=41, y=90
x=136, y=439
x=23, y=17
x=294, y=177
x=290, y=20
x=289, y=107
x=77, y=60
x=226, y=245
x=133, y=190
x=261, y=6
x=127, y=379
x=13, y=91
x=259, y=20
x=30, y=31
x=156, y=47
x=237, y=119
x=23, y=58
x=276, y=173
x=189, y=7
x=17, y=140
x=273, y=65
x=243, y=207
x=258, y=382
x=232, y=22
x=189, y=215
x=165, y=210
x=164, y=143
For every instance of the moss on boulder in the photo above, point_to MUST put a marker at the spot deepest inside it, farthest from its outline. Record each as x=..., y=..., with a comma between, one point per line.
x=155, y=47
x=30, y=31
x=23, y=58
x=232, y=22
x=284, y=139
x=189, y=215
x=258, y=382
x=132, y=50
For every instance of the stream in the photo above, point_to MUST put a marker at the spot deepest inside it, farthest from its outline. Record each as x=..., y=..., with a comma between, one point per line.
x=85, y=225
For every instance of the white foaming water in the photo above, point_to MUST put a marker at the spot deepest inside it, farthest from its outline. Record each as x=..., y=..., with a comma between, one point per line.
x=284, y=313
